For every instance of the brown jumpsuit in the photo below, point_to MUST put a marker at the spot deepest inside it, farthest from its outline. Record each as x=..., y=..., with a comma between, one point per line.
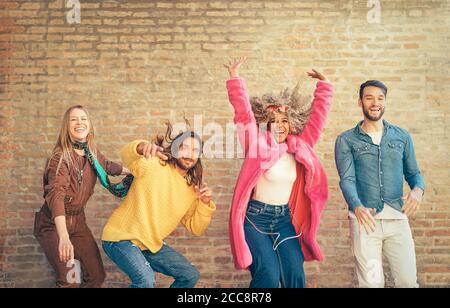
x=66, y=194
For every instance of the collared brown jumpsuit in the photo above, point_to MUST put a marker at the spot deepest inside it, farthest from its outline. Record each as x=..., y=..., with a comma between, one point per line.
x=66, y=194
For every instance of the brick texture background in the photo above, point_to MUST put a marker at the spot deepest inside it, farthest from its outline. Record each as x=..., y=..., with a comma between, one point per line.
x=135, y=64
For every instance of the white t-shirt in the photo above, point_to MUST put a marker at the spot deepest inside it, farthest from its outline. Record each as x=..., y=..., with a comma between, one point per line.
x=376, y=137
x=275, y=186
x=388, y=212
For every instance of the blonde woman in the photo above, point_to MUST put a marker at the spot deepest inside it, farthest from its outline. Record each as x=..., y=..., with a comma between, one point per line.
x=69, y=179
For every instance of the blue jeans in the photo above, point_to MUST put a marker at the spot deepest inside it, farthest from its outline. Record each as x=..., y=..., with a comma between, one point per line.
x=141, y=266
x=275, y=248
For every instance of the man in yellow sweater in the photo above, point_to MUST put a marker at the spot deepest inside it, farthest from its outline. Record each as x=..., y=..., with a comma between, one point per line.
x=167, y=189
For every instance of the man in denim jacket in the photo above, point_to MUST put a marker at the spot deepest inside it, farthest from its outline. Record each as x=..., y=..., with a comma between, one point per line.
x=372, y=160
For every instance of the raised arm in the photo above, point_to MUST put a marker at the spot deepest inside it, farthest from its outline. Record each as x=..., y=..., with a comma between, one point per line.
x=199, y=216
x=320, y=109
x=244, y=118
x=139, y=155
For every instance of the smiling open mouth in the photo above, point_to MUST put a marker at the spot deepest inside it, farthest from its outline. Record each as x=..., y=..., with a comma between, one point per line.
x=80, y=129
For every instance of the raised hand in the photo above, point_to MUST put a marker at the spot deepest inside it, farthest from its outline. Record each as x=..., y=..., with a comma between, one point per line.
x=204, y=193
x=149, y=150
x=234, y=65
x=316, y=75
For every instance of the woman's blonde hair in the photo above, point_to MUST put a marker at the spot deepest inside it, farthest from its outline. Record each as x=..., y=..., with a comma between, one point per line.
x=64, y=142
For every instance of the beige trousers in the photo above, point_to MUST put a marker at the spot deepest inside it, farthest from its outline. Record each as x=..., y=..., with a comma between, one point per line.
x=393, y=238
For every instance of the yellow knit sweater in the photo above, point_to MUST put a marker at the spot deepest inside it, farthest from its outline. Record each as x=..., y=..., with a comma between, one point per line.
x=158, y=200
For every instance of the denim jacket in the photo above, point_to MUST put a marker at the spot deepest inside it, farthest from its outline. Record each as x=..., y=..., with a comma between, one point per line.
x=372, y=175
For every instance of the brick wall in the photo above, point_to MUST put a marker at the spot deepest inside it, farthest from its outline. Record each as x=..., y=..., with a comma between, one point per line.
x=135, y=64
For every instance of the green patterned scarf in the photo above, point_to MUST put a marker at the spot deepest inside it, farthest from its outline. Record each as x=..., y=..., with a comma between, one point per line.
x=120, y=189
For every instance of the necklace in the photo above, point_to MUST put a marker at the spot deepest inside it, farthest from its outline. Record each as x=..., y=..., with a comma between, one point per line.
x=80, y=170
x=78, y=145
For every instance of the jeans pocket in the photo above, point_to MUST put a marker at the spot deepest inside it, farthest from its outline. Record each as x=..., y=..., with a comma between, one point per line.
x=107, y=247
x=117, y=251
x=253, y=211
x=111, y=248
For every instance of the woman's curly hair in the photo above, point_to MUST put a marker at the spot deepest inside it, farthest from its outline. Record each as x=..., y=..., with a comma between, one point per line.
x=299, y=107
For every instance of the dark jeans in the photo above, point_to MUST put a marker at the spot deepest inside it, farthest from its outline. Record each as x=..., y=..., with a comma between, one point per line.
x=274, y=244
x=141, y=266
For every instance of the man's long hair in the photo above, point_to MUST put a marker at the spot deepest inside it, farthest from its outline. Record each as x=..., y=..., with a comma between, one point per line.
x=170, y=144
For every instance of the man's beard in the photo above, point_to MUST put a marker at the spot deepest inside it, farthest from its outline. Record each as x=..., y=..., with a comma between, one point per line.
x=372, y=118
x=182, y=166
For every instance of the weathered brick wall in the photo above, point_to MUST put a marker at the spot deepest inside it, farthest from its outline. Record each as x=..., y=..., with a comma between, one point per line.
x=135, y=64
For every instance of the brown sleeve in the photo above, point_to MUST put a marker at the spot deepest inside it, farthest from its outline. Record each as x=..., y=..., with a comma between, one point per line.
x=56, y=185
x=110, y=167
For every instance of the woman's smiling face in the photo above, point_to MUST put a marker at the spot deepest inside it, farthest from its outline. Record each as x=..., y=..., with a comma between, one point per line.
x=79, y=126
x=279, y=126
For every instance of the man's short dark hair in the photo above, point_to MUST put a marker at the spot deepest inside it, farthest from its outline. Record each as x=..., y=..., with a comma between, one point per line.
x=372, y=83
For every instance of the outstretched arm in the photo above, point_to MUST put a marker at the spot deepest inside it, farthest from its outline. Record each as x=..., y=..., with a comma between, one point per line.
x=244, y=118
x=320, y=109
x=137, y=156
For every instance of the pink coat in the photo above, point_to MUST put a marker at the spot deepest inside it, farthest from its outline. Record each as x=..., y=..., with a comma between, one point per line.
x=261, y=153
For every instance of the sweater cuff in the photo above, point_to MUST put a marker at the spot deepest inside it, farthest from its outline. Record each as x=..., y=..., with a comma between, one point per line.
x=135, y=145
x=129, y=152
x=206, y=209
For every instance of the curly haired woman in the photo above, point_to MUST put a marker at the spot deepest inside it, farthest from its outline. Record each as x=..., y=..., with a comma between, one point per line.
x=282, y=187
